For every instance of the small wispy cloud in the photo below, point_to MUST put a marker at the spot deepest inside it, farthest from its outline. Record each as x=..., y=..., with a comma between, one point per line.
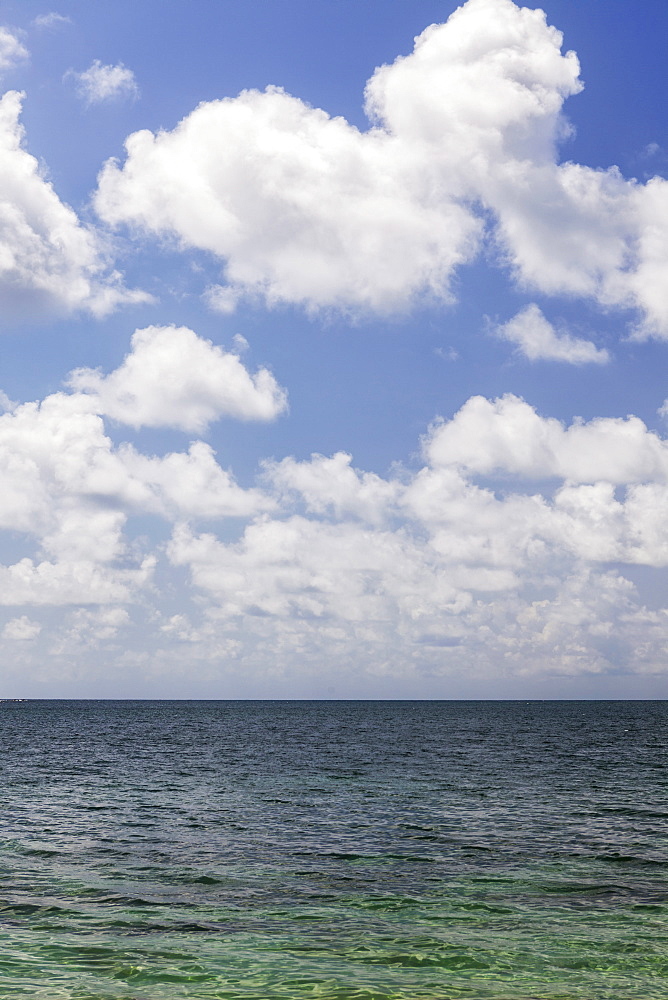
x=446, y=353
x=12, y=50
x=51, y=20
x=100, y=83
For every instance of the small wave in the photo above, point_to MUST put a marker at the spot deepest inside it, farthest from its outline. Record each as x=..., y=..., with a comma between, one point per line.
x=129, y=901
x=9, y=908
x=453, y=963
x=583, y=888
x=631, y=859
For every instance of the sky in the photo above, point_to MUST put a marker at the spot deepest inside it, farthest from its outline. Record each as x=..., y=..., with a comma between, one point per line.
x=333, y=339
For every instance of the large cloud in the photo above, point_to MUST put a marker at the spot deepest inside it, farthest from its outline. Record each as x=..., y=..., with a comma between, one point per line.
x=304, y=208
x=48, y=260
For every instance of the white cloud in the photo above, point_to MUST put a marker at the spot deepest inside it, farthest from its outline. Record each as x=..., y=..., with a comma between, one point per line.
x=173, y=378
x=12, y=50
x=21, y=629
x=507, y=435
x=51, y=20
x=48, y=260
x=332, y=485
x=71, y=582
x=306, y=568
x=100, y=83
x=193, y=485
x=538, y=340
x=87, y=628
x=304, y=208
x=221, y=298
x=64, y=486
x=490, y=84
x=241, y=345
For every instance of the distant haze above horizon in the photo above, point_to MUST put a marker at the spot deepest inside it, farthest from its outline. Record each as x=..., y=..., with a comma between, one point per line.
x=333, y=350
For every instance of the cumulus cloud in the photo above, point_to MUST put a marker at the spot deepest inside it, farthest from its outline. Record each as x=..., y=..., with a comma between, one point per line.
x=100, y=83
x=193, y=485
x=12, y=50
x=490, y=84
x=48, y=260
x=305, y=208
x=507, y=435
x=173, y=378
x=538, y=340
x=332, y=484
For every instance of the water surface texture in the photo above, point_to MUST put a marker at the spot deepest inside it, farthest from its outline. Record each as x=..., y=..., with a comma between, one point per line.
x=348, y=850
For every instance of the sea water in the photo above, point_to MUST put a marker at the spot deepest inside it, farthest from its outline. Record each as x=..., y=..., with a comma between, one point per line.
x=348, y=850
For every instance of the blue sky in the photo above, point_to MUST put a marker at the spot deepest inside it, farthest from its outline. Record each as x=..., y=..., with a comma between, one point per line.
x=333, y=349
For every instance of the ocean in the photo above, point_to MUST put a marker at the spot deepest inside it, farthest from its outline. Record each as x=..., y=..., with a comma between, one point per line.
x=379, y=850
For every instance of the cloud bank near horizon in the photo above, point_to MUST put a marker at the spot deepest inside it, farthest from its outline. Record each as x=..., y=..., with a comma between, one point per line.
x=507, y=545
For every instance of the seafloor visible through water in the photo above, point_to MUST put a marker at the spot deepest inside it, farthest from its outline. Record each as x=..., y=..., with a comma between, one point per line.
x=348, y=850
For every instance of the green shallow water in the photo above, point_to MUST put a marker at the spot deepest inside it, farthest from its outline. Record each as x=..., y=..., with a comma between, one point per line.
x=251, y=850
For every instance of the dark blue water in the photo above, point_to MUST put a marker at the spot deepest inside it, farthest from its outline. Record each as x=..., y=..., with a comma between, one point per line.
x=415, y=850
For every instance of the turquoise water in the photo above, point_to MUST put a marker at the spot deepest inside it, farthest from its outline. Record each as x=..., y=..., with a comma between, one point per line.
x=416, y=850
